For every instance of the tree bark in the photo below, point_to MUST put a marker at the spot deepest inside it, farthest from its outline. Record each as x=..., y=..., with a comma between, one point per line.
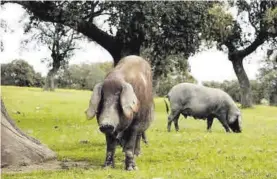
x=50, y=80
x=17, y=148
x=56, y=64
x=245, y=88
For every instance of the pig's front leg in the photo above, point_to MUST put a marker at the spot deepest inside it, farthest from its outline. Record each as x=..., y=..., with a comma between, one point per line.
x=129, y=151
x=111, y=145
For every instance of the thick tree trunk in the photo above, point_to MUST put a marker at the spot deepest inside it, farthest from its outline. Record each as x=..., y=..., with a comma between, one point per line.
x=245, y=88
x=125, y=50
x=17, y=148
x=121, y=52
x=116, y=54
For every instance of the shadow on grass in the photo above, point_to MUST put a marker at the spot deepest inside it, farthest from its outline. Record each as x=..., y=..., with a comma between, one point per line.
x=49, y=167
x=92, y=152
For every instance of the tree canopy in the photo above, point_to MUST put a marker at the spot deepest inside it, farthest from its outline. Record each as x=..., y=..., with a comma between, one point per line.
x=163, y=28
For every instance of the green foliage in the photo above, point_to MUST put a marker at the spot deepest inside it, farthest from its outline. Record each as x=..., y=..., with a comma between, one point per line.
x=59, y=39
x=271, y=15
x=222, y=28
x=175, y=31
x=20, y=73
x=105, y=67
x=268, y=78
x=257, y=91
x=57, y=120
x=219, y=25
x=230, y=87
x=83, y=76
x=179, y=73
x=164, y=84
x=61, y=42
x=233, y=89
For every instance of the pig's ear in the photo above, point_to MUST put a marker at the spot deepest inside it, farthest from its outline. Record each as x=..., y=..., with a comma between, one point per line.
x=95, y=99
x=128, y=100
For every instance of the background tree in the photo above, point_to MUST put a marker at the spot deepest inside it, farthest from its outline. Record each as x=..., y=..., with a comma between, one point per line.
x=180, y=73
x=229, y=33
x=233, y=89
x=60, y=40
x=82, y=76
x=268, y=78
x=106, y=67
x=20, y=73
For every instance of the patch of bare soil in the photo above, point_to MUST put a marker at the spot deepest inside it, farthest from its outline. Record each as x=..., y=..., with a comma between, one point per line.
x=48, y=166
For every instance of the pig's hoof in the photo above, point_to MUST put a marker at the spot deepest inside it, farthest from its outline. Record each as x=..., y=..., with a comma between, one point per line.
x=108, y=165
x=132, y=168
x=137, y=153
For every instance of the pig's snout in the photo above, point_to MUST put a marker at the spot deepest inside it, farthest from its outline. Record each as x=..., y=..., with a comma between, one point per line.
x=107, y=129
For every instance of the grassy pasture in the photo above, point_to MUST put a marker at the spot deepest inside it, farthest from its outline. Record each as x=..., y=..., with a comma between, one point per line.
x=57, y=119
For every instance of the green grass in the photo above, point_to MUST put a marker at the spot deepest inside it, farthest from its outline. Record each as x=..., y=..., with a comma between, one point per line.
x=57, y=119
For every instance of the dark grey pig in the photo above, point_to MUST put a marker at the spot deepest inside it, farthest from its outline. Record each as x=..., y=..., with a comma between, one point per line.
x=123, y=105
x=203, y=102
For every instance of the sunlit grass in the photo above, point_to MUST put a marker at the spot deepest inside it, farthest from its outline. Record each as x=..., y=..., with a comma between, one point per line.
x=57, y=119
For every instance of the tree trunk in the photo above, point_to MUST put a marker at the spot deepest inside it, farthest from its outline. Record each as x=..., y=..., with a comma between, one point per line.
x=245, y=88
x=131, y=47
x=50, y=80
x=273, y=99
x=124, y=50
x=17, y=148
x=116, y=54
x=121, y=52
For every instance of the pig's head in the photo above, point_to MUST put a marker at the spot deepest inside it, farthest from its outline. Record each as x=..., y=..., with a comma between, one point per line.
x=114, y=104
x=234, y=121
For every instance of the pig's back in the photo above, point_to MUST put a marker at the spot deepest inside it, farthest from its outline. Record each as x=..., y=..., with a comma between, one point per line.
x=136, y=71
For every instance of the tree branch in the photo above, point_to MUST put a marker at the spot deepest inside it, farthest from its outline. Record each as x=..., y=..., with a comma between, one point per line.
x=260, y=39
x=251, y=21
x=48, y=11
